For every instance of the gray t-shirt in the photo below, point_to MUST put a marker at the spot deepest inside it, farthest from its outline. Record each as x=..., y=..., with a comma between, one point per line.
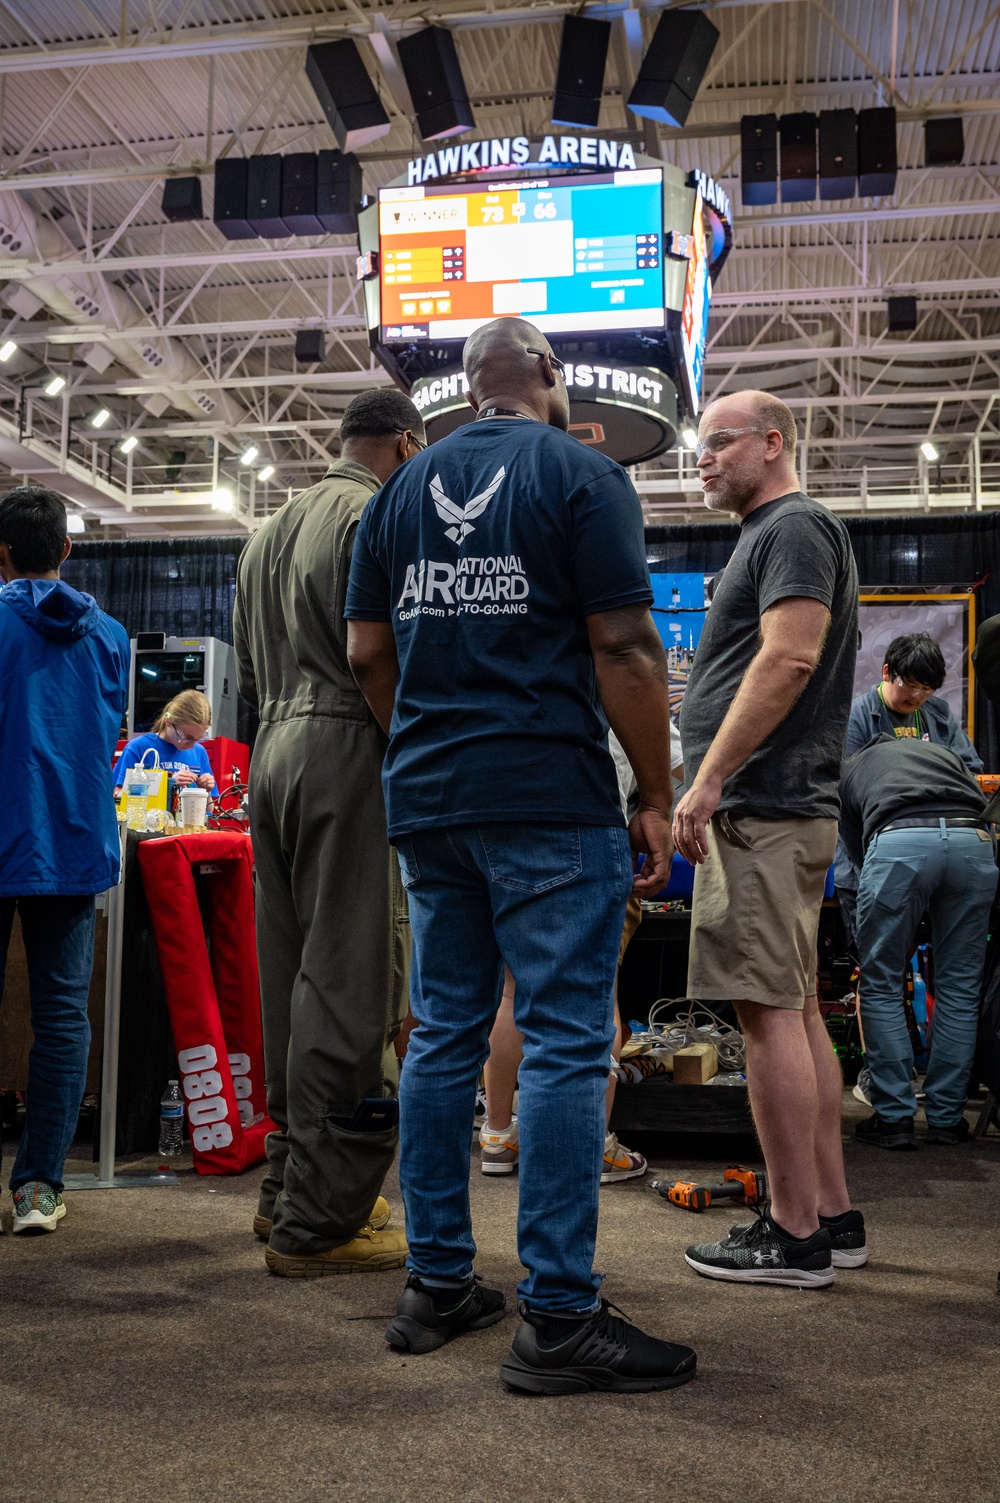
x=789, y=547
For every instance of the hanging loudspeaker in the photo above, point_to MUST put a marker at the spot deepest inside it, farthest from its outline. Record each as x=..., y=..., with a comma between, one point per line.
x=583, y=53
x=759, y=159
x=433, y=74
x=876, y=152
x=838, y=153
x=182, y=199
x=347, y=95
x=798, y=157
x=674, y=66
x=944, y=141
x=229, y=208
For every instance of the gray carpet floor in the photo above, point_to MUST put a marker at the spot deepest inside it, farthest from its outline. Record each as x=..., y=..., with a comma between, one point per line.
x=147, y=1354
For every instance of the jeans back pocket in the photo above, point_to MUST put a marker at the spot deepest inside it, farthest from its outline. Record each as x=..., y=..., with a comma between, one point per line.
x=532, y=858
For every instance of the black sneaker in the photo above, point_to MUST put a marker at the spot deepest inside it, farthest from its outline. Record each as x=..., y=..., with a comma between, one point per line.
x=426, y=1318
x=597, y=1352
x=761, y=1254
x=948, y=1137
x=882, y=1134
x=847, y=1238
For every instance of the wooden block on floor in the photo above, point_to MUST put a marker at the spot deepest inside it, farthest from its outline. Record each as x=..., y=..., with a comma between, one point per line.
x=696, y=1064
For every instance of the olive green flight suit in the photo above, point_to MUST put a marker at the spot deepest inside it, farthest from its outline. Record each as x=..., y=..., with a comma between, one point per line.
x=332, y=927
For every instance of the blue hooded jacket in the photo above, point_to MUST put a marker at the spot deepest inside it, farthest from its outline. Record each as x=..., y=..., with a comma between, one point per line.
x=64, y=670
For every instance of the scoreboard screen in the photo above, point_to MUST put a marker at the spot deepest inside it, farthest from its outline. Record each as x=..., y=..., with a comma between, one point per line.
x=577, y=255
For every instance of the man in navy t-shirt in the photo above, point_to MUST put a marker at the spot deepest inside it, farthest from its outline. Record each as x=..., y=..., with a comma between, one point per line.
x=499, y=619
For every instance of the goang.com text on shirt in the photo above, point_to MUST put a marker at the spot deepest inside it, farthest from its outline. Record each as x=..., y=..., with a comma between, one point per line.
x=490, y=586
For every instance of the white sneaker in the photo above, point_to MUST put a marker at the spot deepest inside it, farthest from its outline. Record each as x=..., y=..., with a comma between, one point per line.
x=619, y=1162
x=37, y=1207
x=860, y=1091
x=498, y=1149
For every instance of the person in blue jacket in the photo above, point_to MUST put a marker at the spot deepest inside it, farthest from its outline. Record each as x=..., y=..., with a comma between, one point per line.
x=64, y=674
x=177, y=733
x=905, y=705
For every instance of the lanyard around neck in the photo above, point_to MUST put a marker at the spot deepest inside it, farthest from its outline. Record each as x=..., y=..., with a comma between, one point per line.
x=915, y=713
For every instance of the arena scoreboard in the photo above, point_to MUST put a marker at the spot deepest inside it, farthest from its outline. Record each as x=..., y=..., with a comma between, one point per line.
x=575, y=255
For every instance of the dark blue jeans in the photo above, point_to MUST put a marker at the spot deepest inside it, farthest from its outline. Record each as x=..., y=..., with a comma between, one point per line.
x=950, y=874
x=550, y=901
x=58, y=935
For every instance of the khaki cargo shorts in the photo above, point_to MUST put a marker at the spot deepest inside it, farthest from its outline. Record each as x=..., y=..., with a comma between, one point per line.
x=633, y=918
x=755, y=911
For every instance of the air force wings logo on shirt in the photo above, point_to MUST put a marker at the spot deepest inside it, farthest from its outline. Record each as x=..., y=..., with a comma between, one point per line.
x=462, y=516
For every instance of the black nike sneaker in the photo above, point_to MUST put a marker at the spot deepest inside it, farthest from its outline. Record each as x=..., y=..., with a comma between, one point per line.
x=848, y=1245
x=560, y=1354
x=426, y=1318
x=884, y=1134
x=762, y=1254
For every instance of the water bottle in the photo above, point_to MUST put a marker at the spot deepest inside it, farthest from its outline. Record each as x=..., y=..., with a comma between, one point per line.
x=171, y=1120
x=136, y=802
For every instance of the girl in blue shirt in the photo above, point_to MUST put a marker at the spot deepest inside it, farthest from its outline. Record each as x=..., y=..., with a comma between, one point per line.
x=175, y=737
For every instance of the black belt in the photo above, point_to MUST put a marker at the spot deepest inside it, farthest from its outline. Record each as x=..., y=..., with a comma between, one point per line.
x=928, y=822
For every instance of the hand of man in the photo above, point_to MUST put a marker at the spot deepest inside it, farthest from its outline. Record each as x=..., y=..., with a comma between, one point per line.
x=649, y=832
x=691, y=818
x=205, y=780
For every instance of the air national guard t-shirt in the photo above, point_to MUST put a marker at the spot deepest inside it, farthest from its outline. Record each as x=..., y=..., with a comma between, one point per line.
x=487, y=553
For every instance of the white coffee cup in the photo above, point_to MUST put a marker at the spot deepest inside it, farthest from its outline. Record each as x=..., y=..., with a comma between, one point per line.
x=194, y=808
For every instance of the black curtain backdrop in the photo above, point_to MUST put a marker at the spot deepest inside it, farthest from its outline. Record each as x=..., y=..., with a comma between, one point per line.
x=185, y=586
x=182, y=586
x=927, y=553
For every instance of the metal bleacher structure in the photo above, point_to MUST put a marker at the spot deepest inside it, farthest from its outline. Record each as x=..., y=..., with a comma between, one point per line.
x=187, y=339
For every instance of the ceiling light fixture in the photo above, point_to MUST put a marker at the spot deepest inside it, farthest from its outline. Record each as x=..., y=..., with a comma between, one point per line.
x=55, y=386
x=100, y=417
x=74, y=522
x=249, y=455
x=6, y=350
x=928, y=450
x=266, y=472
x=690, y=438
x=128, y=444
x=222, y=499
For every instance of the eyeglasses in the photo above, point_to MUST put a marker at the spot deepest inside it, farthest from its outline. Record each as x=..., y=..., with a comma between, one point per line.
x=556, y=363
x=413, y=438
x=721, y=439
x=919, y=689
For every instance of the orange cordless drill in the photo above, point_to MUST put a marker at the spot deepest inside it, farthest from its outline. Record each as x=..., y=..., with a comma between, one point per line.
x=746, y=1186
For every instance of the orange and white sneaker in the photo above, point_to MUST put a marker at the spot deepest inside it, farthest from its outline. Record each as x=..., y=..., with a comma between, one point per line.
x=498, y=1149
x=619, y=1162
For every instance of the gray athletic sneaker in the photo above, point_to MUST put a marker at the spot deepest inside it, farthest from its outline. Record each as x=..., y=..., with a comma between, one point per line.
x=761, y=1254
x=37, y=1207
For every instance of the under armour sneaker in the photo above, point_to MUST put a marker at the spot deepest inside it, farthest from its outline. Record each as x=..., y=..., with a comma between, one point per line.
x=861, y=1091
x=379, y=1218
x=37, y=1207
x=881, y=1133
x=847, y=1238
x=574, y=1354
x=620, y=1163
x=426, y=1318
x=762, y=1254
x=499, y=1149
x=948, y=1137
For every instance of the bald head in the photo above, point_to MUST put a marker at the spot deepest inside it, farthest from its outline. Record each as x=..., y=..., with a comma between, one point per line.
x=748, y=451
x=508, y=363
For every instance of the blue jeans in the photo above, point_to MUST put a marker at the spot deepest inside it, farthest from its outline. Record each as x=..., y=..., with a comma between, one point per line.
x=58, y=934
x=952, y=875
x=550, y=901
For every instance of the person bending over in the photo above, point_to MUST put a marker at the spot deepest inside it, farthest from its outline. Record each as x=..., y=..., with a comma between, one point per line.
x=499, y=596
x=904, y=704
x=763, y=722
x=912, y=822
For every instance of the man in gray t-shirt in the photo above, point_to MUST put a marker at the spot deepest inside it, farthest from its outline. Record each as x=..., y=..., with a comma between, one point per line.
x=763, y=723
